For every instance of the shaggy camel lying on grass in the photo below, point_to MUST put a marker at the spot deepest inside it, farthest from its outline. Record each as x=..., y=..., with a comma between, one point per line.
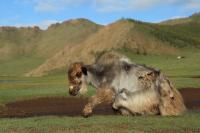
x=146, y=90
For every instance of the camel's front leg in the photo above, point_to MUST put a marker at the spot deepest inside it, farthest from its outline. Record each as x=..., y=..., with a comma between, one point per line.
x=103, y=95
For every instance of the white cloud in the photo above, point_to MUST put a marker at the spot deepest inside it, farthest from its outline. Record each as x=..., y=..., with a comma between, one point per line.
x=177, y=17
x=127, y=5
x=46, y=6
x=171, y=18
x=46, y=23
x=108, y=5
x=43, y=25
x=193, y=4
x=55, y=5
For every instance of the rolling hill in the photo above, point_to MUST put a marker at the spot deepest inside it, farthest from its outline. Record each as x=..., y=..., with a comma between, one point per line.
x=44, y=43
x=83, y=40
x=121, y=34
x=23, y=49
x=15, y=42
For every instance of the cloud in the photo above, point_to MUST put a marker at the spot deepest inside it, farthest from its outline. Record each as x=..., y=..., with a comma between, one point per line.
x=127, y=5
x=55, y=5
x=46, y=23
x=46, y=6
x=43, y=24
x=193, y=4
x=177, y=17
x=171, y=18
x=109, y=5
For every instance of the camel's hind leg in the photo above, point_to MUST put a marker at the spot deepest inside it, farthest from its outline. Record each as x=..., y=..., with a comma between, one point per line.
x=104, y=94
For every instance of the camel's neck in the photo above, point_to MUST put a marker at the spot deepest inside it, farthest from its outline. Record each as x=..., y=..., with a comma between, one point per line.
x=92, y=79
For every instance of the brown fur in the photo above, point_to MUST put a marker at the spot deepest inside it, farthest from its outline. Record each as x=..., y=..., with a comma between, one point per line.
x=171, y=101
x=74, y=71
x=74, y=78
x=105, y=94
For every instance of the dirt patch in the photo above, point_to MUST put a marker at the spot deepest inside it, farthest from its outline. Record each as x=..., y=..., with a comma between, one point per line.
x=191, y=97
x=69, y=106
x=72, y=106
x=196, y=77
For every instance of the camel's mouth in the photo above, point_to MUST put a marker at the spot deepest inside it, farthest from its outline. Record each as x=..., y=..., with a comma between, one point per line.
x=74, y=90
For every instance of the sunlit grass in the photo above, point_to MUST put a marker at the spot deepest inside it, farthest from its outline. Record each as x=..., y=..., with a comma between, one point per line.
x=19, y=65
x=101, y=124
x=180, y=72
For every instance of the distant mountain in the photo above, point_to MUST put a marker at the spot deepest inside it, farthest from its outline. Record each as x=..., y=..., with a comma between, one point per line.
x=35, y=42
x=127, y=34
x=16, y=42
x=83, y=40
x=68, y=33
x=22, y=49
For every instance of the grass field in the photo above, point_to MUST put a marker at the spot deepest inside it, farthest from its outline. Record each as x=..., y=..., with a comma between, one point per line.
x=181, y=72
x=19, y=65
x=101, y=124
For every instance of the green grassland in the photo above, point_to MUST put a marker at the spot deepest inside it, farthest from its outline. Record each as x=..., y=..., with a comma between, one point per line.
x=181, y=72
x=19, y=65
x=13, y=86
x=101, y=124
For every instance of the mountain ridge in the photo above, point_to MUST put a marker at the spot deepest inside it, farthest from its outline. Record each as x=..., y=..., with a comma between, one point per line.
x=82, y=40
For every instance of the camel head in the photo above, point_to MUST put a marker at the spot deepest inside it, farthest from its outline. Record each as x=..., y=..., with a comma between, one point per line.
x=76, y=78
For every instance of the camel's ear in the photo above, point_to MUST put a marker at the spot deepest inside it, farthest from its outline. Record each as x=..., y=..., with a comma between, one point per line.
x=84, y=70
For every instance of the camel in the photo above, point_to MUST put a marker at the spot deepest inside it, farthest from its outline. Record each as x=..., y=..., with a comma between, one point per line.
x=114, y=75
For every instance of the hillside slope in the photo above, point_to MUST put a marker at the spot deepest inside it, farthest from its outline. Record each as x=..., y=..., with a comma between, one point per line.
x=129, y=34
x=36, y=52
x=44, y=43
x=68, y=33
x=22, y=49
x=15, y=42
x=121, y=34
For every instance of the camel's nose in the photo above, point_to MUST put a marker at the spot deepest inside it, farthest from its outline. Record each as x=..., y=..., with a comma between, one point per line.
x=73, y=90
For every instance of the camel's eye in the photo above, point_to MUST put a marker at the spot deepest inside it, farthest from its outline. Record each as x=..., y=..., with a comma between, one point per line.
x=127, y=67
x=78, y=75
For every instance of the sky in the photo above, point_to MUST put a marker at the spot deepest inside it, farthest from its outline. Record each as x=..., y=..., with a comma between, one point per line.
x=45, y=12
